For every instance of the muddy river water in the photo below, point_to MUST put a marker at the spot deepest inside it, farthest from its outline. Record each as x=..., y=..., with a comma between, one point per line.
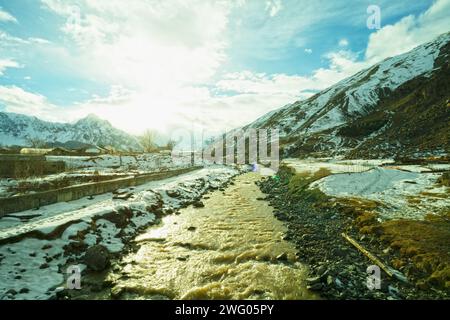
x=230, y=249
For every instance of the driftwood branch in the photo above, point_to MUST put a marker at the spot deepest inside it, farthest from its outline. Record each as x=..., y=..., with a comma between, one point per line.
x=389, y=271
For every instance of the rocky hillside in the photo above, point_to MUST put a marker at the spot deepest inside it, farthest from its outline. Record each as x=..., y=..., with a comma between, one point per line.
x=398, y=107
x=17, y=129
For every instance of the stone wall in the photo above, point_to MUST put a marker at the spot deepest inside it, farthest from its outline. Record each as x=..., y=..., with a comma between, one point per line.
x=17, y=166
x=24, y=166
x=36, y=200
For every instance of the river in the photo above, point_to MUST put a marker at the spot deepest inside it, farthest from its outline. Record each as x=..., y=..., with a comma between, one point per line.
x=232, y=248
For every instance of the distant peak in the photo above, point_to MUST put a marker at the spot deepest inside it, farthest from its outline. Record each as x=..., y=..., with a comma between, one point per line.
x=92, y=118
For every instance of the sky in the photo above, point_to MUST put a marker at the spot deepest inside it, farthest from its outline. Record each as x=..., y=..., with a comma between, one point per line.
x=210, y=64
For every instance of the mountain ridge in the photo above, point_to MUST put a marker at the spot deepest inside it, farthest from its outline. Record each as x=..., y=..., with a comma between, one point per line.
x=316, y=126
x=18, y=129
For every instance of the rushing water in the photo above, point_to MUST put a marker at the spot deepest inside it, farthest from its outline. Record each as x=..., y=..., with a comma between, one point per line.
x=226, y=250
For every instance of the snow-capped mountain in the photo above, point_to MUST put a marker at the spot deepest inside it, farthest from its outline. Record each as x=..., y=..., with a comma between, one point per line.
x=18, y=129
x=400, y=105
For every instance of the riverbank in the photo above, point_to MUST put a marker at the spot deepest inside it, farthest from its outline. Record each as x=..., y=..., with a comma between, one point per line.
x=315, y=225
x=35, y=254
x=230, y=248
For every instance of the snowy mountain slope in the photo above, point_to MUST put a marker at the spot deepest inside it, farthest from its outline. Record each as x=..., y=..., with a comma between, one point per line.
x=318, y=123
x=17, y=129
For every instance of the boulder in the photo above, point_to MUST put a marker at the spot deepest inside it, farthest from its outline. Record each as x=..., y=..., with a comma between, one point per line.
x=97, y=258
x=198, y=204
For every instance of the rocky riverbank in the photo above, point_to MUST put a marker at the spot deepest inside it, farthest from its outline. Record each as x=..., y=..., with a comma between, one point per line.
x=315, y=225
x=100, y=262
x=36, y=258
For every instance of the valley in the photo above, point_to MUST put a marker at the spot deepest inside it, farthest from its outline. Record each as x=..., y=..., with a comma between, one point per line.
x=357, y=206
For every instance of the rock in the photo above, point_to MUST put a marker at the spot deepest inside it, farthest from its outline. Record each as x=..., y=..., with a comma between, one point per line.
x=287, y=238
x=339, y=252
x=97, y=258
x=393, y=291
x=167, y=211
x=321, y=270
x=43, y=266
x=47, y=246
x=123, y=196
x=192, y=228
x=315, y=287
x=11, y=291
x=173, y=193
x=313, y=280
x=182, y=258
x=120, y=218
x=282, y=257
x=198, y=204
x=24, y=290
x=96, y=287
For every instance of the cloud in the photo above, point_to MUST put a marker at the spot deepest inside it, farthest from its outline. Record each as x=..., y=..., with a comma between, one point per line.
x=7, y=63
x=409, y=32
x=341, y=64
x=18, y=100
x=6, y=16
x=166, y=62
x=273, y=7
x=152, y=45
x=343, y=42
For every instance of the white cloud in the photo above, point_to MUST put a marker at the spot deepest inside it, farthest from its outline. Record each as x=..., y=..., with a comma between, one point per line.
x=343, y=42
x=409, y=32
x=38, y=41
x=161, y=58
x=341, y=65
x=273, y=7
x=6, y=16
x=7, y=63
x=152, y=45
x=18, y=100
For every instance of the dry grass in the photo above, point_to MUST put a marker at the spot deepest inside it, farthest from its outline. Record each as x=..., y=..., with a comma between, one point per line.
x=299, y=182
x=425, y=244
x=304, y=179
x=434, y=195
x=423, y=247
x=444, y=180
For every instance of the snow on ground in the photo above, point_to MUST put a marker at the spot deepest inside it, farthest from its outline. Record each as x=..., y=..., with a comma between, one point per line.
x=408, y=191
x=335, y=166
x=422, y=168
x=406, y=194
x=113, y=163
x=32, y=268
x=81, y=168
